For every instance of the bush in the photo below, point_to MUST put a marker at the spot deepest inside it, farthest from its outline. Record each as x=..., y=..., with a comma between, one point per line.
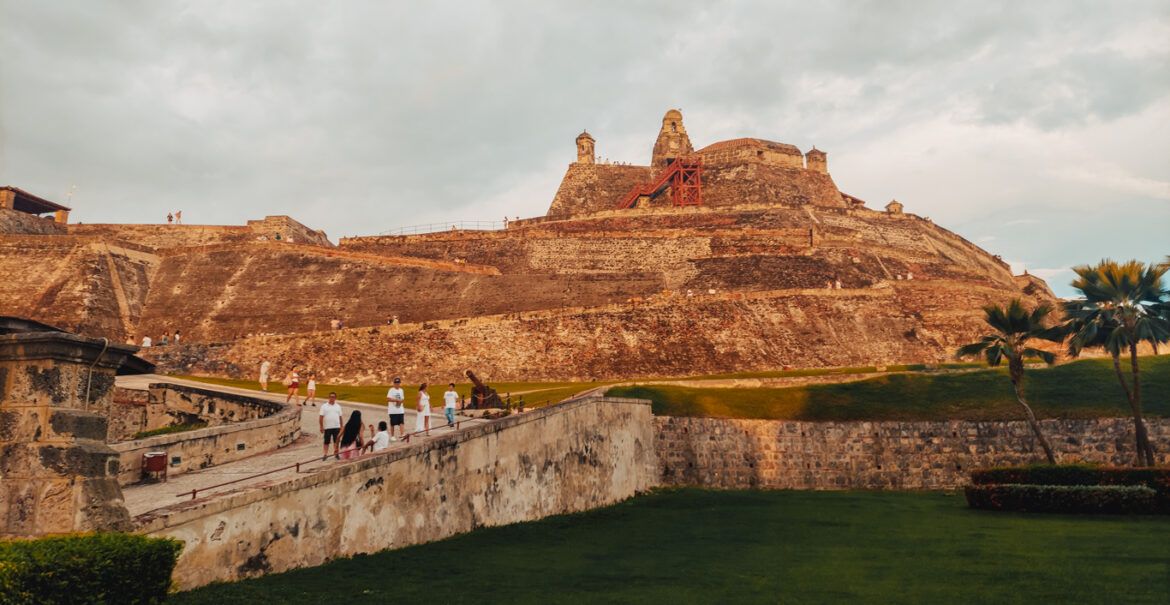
x=1157, y=479
x=1115, y=499
x=87, y=568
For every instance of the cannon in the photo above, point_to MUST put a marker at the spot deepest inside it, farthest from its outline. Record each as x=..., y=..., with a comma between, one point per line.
x=482, y=396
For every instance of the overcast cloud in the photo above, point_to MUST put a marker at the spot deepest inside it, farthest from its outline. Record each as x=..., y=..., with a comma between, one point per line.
x=1040, y=130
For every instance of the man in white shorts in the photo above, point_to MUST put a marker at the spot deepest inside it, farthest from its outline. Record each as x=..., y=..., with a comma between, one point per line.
x=396, y=408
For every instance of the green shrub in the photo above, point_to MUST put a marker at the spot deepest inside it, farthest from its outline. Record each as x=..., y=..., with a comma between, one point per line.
x=167, y=430
x=1157, y=479
x=1114, y=499
x=102, y=568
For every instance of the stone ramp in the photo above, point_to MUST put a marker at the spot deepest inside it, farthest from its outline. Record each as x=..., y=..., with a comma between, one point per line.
x=145, y=497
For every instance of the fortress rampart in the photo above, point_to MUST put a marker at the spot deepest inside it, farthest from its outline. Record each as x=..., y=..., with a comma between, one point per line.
x=566, y=458
x=776, y=454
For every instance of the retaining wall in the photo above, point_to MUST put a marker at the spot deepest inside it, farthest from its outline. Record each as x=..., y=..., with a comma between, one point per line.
x=240, y=427
x=778, y=454
x=565, y=458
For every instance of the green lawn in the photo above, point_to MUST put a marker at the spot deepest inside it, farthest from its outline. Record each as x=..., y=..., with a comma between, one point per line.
x=695, y=546
x=534, y=393
x=1081, y=389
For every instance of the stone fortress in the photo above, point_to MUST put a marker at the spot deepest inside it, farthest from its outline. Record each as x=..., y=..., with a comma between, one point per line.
x=742, y=255
x=767, y=264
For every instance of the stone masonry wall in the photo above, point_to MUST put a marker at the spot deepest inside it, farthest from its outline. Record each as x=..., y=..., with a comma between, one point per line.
x=566, y=458
x=768, y=454
x=17, y=222
x=163, y=405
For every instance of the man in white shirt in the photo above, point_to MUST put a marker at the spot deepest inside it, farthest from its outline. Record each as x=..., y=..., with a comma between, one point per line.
x=396, y=408
x=264, y=366
x=329, y=421
x=146, y=342
x=450, y=401
x=381, y=438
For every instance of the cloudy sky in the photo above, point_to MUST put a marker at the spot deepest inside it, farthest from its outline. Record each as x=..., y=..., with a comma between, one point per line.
x=1040, y=130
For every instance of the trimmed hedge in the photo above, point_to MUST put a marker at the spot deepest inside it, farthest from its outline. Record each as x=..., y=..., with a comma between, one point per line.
x=102, y=568
x=1155, y=478
x=1114, y=499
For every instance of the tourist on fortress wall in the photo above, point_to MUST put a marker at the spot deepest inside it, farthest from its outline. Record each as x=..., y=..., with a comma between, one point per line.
x=353, y=436
x=175, y=340
x=264, y=365
x=294, y=386
x=146, y=342
x=422, y=422
x=329, y=420
x=396, y=408
x=178, y=217
x=381, y=439
x=450, y=401
x=170, y=218
x=311, y=390
x=162, y=342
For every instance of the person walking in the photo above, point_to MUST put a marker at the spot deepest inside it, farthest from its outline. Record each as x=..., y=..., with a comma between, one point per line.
x=311, y=390
x=450, y=402
x=422, y=422
x=352, y=436
x=170, y=218
x=396, y=408
x=178, y=217
x=294, y=386
x=329, y=420
x=264, y=366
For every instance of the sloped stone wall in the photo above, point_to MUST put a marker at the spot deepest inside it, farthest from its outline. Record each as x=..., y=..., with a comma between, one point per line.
x=561, y=459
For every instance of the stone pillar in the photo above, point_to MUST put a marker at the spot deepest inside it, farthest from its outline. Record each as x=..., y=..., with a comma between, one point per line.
x=61, y=216
x=56, y=472
x=7, y=199
x=673, y=142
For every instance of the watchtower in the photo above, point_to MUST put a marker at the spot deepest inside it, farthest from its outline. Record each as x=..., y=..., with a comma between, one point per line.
x=817, y=160
x=673, y=142
x=585, y=143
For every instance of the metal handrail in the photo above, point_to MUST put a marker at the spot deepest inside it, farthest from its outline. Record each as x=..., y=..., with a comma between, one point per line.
x=194, y=493
x=456, y=226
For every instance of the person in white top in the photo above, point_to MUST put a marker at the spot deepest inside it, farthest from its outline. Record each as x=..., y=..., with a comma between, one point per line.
x=381, y=438
x=264, y=365
x=311, y=391
x=146, y=342
x=422, y=422
x=396, y=408
x=450, y=402
x=329, y=420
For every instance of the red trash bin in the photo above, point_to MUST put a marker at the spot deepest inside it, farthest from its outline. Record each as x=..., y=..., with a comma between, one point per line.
x=155, y=462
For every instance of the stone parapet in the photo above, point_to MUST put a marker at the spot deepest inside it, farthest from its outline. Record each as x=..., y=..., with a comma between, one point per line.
x=565, y=458
x=779, y=454
x=239, y=427
x=57, y=474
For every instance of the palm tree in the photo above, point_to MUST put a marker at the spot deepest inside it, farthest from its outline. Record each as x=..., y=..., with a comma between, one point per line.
x=1014, y=327
x=1122, y=308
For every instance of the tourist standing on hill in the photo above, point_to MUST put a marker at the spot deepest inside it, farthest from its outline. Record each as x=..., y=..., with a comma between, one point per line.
x=352, y=436
x=396, y=407
x=178, y=217
x=450, y=401
x=175, y=340
x=162, y=342
x=146, y=342
x=311, y=390
x=264, y=366
x=170, y=218
x=422, y=422
x=294, y=386
x=329, y=420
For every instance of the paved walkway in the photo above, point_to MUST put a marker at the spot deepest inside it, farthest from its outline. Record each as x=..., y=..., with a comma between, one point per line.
x=146, y=497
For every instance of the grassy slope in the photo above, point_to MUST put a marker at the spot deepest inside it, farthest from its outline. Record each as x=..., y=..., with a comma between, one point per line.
x=693, y=546
x=1086, y=388
x=535, y=393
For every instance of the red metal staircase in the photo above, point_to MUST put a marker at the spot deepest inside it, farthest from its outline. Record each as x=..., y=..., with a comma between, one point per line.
x=684, y=177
